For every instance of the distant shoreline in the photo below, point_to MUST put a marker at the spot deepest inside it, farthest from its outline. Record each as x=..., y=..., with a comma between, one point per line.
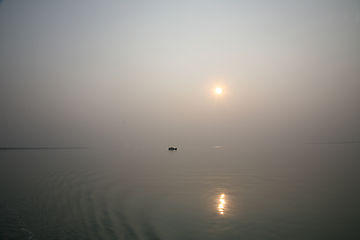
x=333, y=143
x=43, y=148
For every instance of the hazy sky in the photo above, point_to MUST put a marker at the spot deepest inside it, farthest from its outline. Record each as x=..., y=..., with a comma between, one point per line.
x=122, y=73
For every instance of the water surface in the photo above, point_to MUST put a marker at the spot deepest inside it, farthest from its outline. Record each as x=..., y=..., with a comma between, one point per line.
x=266, y=192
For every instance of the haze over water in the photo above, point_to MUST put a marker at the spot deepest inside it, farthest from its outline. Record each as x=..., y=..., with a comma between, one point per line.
x=260, y=97
x=122, y=73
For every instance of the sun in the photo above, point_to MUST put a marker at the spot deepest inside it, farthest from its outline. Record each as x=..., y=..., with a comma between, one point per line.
x=218, y=91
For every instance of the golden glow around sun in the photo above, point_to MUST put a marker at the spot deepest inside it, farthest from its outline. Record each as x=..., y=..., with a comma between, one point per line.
x=218, y=90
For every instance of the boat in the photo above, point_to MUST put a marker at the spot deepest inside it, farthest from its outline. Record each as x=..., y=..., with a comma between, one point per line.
x=172, y=148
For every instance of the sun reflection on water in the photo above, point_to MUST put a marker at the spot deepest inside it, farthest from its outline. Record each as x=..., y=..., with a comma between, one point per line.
x=222, y=204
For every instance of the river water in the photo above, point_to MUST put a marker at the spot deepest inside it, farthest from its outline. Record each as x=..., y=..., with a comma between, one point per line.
x=217, y=192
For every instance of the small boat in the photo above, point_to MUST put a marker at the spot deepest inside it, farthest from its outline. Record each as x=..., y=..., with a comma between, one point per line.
x=172, y=148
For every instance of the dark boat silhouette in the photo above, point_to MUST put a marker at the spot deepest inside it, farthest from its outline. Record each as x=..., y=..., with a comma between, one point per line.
x=172, y=148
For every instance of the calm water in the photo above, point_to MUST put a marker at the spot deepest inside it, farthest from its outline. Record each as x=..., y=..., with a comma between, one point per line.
x=270, y=192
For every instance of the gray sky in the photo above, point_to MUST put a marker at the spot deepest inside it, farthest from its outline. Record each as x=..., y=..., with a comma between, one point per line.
x=122, y=73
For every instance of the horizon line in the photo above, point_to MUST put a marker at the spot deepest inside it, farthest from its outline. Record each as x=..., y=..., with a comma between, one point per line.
x=39, y=148
x=332, y=143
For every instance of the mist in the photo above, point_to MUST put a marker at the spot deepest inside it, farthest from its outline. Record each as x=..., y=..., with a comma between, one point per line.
x=125, y=73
